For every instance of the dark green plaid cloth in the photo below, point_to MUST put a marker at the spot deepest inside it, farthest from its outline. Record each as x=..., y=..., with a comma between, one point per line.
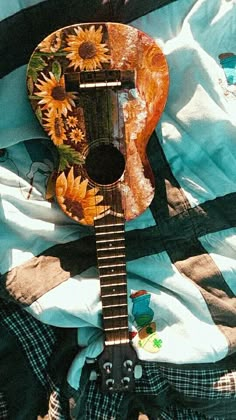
x=191, y=393
x=197, y=390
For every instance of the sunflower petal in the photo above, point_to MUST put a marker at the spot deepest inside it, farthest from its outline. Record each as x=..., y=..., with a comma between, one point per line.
x=61, y=185
x=83, y=188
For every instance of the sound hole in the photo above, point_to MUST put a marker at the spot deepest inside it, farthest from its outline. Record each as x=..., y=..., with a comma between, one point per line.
x=104, y=164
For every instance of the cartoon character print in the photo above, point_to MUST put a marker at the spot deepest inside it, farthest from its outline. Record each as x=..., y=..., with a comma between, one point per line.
x=147, y=335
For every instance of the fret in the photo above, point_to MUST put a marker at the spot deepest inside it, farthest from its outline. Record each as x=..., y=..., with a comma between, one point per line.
x=115, y=316
x=108, y=225
x=111, y=256
x=110, y=240
x=115, y=232
x=115, y=328
x=107, y=276
x=115, y=305
x=116, y=294
x=112, y=275
x=113, y=284
x=110, y=266
x=110, y=248
x=105, y=283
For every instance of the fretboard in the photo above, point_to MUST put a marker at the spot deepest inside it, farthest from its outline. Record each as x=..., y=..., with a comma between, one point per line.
x=110, y=242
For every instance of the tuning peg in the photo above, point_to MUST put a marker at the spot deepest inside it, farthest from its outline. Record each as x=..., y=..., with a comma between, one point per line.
x=110, y=383
x=107, y=366
x=138, y=371
x=128, y=365
x=125, y=381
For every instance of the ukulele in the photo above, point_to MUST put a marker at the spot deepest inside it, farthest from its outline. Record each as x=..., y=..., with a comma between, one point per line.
x=98, y=90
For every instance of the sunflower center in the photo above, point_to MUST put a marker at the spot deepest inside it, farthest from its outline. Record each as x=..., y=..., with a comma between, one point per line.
x=87, y=50
x=75, y=208
x=58, y=93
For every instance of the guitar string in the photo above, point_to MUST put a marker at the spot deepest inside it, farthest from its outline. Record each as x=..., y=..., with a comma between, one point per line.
x=120, y=149
x=112, y=118
x=110, y=100
x=103, y=131
x=110, y=129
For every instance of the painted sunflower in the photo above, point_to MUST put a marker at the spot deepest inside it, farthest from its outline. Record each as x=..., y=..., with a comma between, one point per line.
x=76, y=135
x=54, y=95
x=76, y=200
x=55, y=127
x=51, y=44
x=86, y=50
x=72, y=121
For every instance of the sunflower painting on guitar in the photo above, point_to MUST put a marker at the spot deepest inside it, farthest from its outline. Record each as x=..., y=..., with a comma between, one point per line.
x=104, y=110
x=76, y=200
x=86, y=50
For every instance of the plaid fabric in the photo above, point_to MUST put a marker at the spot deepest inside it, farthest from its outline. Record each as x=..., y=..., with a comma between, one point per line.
x=37, y=342
x=102, y=406
x=36, y=339
x=173, y=413
x=204, y=384
x=3, y=407
x=55, y=411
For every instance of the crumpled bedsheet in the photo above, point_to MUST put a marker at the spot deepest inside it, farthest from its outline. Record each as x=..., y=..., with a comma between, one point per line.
x=181, y=253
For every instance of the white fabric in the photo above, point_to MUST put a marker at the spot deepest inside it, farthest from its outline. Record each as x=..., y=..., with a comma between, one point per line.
x=198, y=138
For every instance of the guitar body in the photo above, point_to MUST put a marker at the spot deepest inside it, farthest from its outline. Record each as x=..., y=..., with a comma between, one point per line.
x=98, y=90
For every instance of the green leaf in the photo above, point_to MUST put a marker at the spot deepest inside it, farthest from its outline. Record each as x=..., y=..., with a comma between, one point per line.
x=69, y=157
x=36, y=64
x=56, y=70
x=38, y=113
x=30, y=85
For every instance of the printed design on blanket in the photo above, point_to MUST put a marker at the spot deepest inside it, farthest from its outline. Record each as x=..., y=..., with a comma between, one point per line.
x=228, y=63
x=93, y=87
x=36, y=168
x=147, y=335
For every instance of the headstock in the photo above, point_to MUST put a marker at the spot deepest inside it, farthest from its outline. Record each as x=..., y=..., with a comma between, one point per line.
x=118, y=368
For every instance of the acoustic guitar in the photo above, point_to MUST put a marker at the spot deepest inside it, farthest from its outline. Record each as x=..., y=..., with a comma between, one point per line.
x=98, y=90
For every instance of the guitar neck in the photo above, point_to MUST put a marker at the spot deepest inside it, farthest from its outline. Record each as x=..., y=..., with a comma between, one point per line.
x=110, y=242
